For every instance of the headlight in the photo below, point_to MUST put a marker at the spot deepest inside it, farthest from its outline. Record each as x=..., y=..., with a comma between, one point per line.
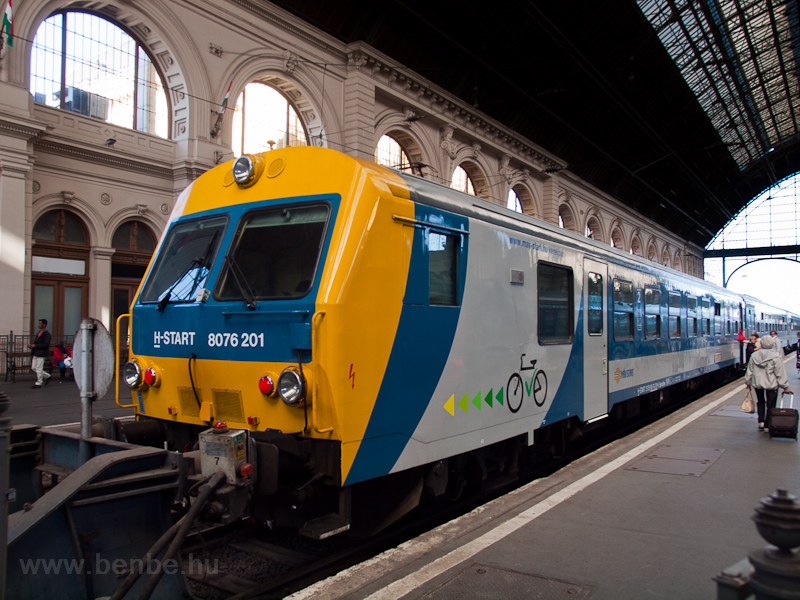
x=132, y=374
x=291, y=388
x=243, y=170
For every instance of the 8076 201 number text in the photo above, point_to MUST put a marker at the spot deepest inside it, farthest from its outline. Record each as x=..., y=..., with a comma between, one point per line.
x=234, y=340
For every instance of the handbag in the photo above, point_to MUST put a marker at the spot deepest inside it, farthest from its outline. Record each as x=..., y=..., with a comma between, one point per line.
x=748, y=405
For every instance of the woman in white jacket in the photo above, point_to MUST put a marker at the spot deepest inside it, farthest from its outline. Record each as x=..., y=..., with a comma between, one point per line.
x=765, y=374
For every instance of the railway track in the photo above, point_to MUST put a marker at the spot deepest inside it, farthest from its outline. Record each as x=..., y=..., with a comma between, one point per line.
x=249, y=560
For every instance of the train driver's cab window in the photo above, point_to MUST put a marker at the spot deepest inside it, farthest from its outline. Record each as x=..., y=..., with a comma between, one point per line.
x=555, y=289
x=652, y=313
x=184, y=261
x=691, y=314
x=623, y=310
x=275, y=254
x=443, y=268
x=595, y=309
x=674, y=314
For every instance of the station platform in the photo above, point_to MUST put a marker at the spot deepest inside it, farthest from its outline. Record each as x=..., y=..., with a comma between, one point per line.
x=658, y=514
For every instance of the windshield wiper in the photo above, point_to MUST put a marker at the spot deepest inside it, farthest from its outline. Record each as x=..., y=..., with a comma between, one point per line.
x=202, y=271
x=241, y=283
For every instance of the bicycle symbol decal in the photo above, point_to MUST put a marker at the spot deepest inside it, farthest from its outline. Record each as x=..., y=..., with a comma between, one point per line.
x=517, y=388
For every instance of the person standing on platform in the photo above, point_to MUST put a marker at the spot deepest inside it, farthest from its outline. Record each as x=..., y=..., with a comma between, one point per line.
x=766, y=374
x=753, y=345
x=40, y=348
x=778, y=345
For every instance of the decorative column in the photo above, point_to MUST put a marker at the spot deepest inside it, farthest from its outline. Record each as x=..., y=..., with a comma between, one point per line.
x=100, y=285
x=550, y=191
x=359, y=108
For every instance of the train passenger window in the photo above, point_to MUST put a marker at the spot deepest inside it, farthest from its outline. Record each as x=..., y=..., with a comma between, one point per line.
x=652, y=313
x=274, y=254
x=555, y=291
x=674, y=301
x=594, y=317
x=623, y=311
x=674, y=327
x=443, y=268
x=184, y=261
x=691, y=313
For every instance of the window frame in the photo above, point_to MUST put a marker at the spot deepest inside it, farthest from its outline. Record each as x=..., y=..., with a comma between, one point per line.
x=620, y=308
x=64, y=56
x=570, y=304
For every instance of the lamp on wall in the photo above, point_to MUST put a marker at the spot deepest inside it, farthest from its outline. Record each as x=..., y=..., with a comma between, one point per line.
x=110, y=142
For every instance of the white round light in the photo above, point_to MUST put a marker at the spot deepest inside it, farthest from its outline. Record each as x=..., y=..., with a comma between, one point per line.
x=243, y=170
x=291, y=388
x=132, y=374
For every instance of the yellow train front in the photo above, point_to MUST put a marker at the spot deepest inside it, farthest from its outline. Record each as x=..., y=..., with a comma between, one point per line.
x=272, y=305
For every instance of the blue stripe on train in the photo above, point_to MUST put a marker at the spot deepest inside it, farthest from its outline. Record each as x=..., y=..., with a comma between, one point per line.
x=421, y=347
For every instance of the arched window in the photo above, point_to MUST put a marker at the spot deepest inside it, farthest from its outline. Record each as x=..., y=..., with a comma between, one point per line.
x=462, y=182
x=514, y=203
x=616, y=239
x=566, y=220
x=390, y=153
x=60, y=274
x=593, y=230
x=134, y=244
x=636, y=247
x=665, y=260
x=84, y=64
x=651, y=253
x=264, y=119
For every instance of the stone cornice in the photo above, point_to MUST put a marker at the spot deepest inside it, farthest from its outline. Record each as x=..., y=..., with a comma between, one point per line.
x=21, y=128
x=430, y=99
x=116, y=160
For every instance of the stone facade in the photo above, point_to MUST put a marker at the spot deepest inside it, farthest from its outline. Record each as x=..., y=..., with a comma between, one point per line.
x=347, y=97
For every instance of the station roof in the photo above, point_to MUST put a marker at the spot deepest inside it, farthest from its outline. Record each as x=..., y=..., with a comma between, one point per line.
x=683, y=110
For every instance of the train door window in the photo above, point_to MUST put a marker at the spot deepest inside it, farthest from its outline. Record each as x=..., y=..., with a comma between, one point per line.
x=443, y=268
x=705, y=320
x=555, y=289
x=595, y=312
x=623, y=311
x=717, y=319
x=674, y=314
x=652, y=313
x=691, y=316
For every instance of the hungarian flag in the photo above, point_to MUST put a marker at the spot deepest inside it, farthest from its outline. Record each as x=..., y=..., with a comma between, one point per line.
x=225, y=100
x=8, y=25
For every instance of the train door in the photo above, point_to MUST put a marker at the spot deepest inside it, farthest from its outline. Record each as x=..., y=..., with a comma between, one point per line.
x=595, y=339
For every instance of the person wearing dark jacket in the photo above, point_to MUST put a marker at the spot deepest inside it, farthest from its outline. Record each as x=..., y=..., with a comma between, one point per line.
x=40, y=348
x=765, y=373
x=752, y=346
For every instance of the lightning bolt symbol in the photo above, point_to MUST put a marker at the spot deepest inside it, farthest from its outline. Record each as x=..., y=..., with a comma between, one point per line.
x=352, y=376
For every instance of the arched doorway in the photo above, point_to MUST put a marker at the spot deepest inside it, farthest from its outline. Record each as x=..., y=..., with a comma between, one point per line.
x=59, y=272
x=134, y=244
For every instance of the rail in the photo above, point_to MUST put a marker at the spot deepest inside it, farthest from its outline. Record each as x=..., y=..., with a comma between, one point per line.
x=117, y=361
x=315, y=382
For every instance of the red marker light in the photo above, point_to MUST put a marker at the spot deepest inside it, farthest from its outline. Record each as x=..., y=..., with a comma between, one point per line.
x=245, y=469
x=150, y=376
x=266, y=386
x=220, y=427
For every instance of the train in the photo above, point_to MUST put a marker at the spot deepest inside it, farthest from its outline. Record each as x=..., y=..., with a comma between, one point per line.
x=347, y=342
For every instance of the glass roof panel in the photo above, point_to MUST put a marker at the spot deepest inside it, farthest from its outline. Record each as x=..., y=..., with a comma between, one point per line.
x=740, y=57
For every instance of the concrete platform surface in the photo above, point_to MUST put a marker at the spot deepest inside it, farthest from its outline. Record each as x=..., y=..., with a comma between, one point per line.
x=658, y=514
